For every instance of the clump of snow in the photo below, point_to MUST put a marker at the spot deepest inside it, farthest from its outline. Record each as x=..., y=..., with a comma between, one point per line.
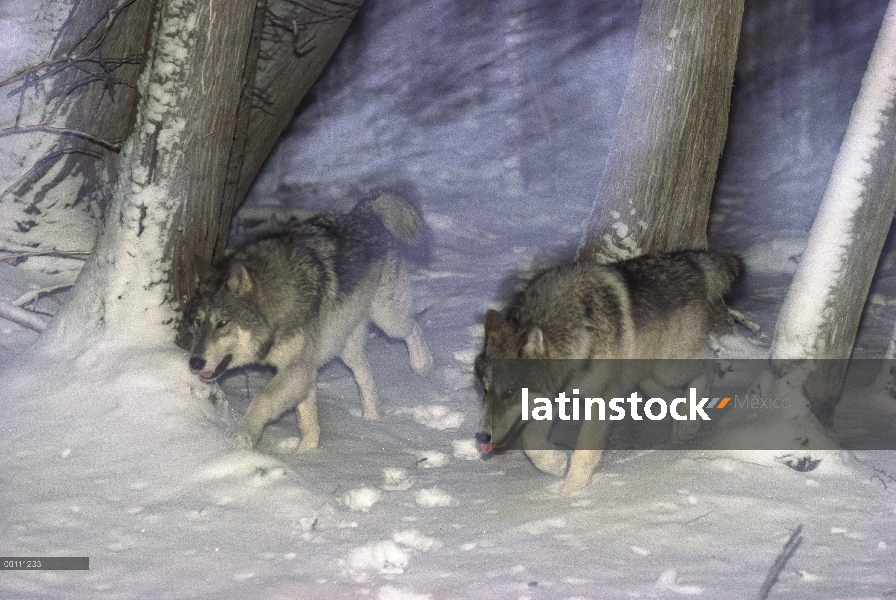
x=436, y=416
x=362, y=498
x=397, y=480
x=466, y=449
x=289, y=444
x=431, y=459
x=415, y=540
x=385, y=557
x=433, y=497
x=668, y=582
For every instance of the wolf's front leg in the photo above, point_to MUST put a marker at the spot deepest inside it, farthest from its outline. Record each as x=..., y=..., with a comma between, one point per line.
x=537, y=448
x=281, y=394
x=684, y=431
x=586, y=456
x=309, y=425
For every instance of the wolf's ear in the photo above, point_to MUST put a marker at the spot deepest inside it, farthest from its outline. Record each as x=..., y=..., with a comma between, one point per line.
x=203, y=273
x=534, y=346
x=238, y=281
x=493, y=324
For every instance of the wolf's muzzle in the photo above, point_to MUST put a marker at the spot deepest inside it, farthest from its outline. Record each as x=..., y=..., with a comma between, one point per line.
x=197, y=363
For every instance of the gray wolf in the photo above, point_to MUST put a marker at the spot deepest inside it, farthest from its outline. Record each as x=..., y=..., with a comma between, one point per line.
x=660, y=306
x=295, y=300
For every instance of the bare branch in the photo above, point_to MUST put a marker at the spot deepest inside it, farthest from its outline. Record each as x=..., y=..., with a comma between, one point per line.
x=23, y=317
x=778, y=566
x=114, y=146
x=63, y=253
x=33, y=295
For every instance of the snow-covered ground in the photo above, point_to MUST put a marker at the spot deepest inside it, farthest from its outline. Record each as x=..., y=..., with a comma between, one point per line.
x=495, y=117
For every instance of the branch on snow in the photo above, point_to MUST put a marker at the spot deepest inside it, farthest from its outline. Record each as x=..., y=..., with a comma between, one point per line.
x=23, y=317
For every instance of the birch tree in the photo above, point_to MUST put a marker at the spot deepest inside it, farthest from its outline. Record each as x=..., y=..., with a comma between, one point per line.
x=658, y=181
x=821, y=312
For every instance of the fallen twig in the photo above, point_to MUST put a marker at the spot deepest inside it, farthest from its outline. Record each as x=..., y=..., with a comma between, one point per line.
x=780, y=561
x=743, y=320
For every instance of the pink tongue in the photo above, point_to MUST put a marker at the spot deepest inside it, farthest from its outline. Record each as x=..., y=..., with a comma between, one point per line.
x=486, y=448
x=207, y=374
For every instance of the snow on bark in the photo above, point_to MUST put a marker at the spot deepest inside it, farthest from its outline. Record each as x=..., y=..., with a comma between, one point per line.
x=819, y=316
x=184, y=122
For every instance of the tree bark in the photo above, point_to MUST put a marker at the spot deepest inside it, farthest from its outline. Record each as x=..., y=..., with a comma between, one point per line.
x=658, y=180
x=821, y=313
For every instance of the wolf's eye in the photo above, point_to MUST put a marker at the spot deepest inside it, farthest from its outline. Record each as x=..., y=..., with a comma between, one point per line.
x=221, y=323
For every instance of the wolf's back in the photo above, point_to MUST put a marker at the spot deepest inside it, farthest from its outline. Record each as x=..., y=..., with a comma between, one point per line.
x=720, y=269
x=401, y=219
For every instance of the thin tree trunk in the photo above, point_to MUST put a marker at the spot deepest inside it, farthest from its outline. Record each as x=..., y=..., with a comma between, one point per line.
x=820, y=315
x=658, y=180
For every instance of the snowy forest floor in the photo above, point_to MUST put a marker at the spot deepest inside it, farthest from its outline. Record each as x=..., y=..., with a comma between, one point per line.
x=119, y=454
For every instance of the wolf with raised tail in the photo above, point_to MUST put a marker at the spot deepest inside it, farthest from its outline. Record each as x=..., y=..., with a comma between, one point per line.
x=659, y=306
x=296, y=300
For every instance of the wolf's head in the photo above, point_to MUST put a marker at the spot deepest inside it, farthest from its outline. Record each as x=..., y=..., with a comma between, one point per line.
x=225, y=326
x=501, y=421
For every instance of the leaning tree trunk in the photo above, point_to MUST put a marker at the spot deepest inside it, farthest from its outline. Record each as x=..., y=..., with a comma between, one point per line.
x=820, y=315
x=660, y=173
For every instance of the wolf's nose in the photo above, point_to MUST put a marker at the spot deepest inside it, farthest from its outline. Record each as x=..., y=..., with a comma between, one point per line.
x=481, y=436
x=196, y=363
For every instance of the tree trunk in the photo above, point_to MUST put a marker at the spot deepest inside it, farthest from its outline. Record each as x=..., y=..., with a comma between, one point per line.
x=658, y=180
x=295, y=43
x=820, y=315
x=215, y=90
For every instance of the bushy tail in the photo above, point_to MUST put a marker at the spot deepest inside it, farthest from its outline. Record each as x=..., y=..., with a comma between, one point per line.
x=400, y=218
x=721, y=270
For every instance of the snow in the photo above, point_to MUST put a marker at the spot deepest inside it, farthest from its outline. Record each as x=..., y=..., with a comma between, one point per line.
x=116, y=452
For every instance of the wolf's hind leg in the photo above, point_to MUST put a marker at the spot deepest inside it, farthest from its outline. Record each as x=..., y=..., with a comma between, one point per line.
x=355, y=358
x=391, y=312
x=421, y=359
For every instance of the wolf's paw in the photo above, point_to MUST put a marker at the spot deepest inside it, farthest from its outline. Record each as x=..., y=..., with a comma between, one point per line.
x=549, y=461
x=684, y=431
x=421, y=361
x=306, y=444
x=241, y=440
x=571, y=485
